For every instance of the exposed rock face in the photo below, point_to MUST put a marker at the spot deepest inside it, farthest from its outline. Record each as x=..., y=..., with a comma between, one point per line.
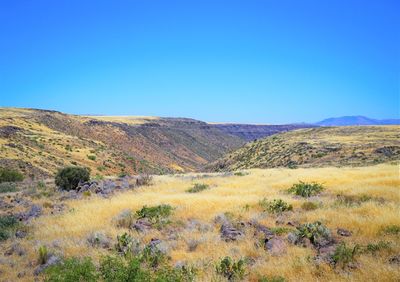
x=142, y=225
x=33, y=212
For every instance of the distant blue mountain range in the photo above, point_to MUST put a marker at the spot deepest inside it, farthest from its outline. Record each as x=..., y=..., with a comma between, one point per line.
x=356, y=120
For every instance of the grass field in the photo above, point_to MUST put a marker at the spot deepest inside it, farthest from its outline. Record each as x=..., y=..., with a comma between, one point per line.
x=239, y=196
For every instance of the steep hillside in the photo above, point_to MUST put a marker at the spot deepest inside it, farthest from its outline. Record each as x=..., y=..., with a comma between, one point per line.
x=38, y=142
x=327, y=146
x=250, y=132
x=356, y=120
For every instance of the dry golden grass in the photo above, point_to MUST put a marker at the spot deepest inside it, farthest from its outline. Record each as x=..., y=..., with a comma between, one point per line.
x=240, y=196
x=132, y=120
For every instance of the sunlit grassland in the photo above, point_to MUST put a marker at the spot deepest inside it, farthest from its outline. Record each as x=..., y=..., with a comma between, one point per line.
x=240, y=195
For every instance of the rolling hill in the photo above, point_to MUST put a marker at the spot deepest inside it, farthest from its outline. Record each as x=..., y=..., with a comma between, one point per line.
x=38, y=142
x=317, y=147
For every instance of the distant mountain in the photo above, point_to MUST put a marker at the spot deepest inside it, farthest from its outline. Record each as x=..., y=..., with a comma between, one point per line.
x=356, y=120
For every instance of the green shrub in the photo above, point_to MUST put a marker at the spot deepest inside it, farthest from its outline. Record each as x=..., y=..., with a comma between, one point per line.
x=391, y=230
x=198, y=188
x=71, y=270
x=7, y=187
x=153, y=257
x=124, y=244
x=10, y=175
x=306, y=190
x=230, y=269
x=309, y=206
x=157, y=215
x=68, y=178
x=344, y=255
x=7, y=224
x=116, y=269
x=240, y=173
x=275, y=206
x=91, y=157
x=376, y=247
x=314, y=232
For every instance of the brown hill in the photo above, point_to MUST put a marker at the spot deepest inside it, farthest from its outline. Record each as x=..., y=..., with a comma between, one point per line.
x=317, y=147
x=39, y=142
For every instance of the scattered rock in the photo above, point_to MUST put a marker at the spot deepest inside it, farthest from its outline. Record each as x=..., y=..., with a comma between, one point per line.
x=230, y=233
x=35, y=211
x=395, y=259
x=156, y=246
x=15, y=249
x=20, y=234
x=142, y=225
x=275, y=246
x=343, y=232
x=99, y=239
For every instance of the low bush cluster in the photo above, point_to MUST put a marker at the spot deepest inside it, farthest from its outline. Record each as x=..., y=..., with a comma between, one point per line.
x=10, y=175
x=197, y=187
x=8, y=187
x=117, y=269
x=315, y=232
x=157, y=215
x=351, y=200
x=275, y=206
x=8, y=224
x=306, y=190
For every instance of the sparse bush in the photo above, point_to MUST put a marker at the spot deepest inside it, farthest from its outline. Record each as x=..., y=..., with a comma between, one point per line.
x=240, y=173
x=376, y=247
x=43, y=255
x=230, y=269
x=391, y=230
x=10, y=175
x=280, y=230
x=306, y=190
x=72, y=269
x=275, y=206
x=351, y=200
x=7, y=224
x=271, y=279
x=316, y=232
x=91, y=157
x=344, y=255
x=153, y=257
x=157, y=215
x=309, y=206
x=7, y=187
x=144, y=180
x=125, y=219
x=68, y=178
x=197, y=187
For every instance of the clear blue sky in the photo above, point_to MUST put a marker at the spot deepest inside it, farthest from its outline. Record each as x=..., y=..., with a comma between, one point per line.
x=264, y=61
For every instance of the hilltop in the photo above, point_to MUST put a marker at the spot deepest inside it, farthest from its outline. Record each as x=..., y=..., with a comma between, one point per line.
x=38, y=142
x=317, y=147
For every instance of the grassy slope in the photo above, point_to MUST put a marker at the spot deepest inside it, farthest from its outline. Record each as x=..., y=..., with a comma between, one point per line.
x=325, y=146
x=45, y=141
x=233, y=194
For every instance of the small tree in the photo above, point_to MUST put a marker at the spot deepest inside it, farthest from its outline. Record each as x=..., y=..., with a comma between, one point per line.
x=68, y=178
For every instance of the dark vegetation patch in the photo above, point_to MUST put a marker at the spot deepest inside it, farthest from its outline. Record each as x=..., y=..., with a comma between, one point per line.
x=198, y=187
x=305, y=189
